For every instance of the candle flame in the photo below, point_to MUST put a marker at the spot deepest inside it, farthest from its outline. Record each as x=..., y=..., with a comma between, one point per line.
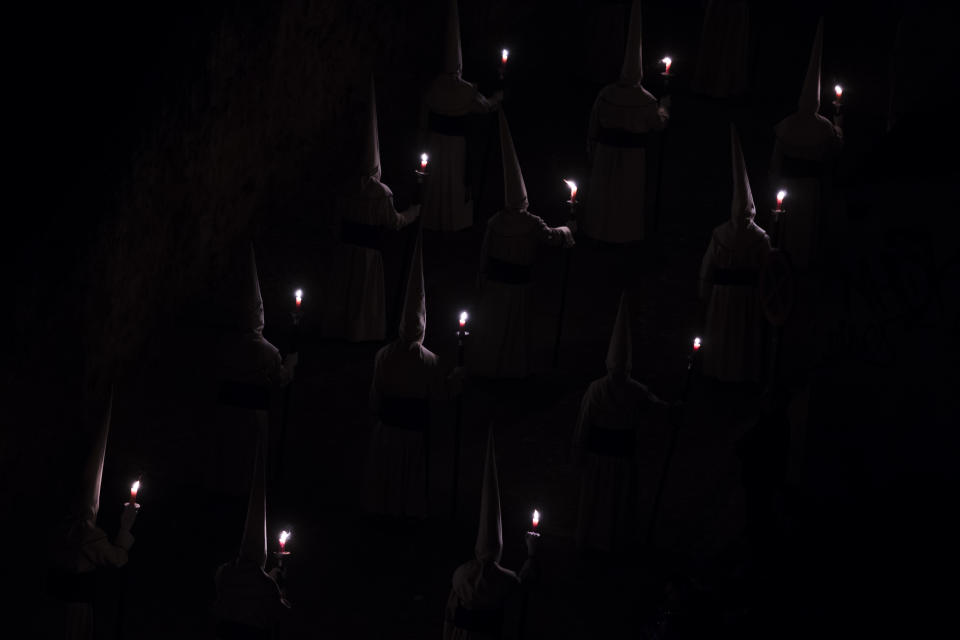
x=504, y=55
x=135, y=487
x=780, y=196
x=298, y=294
x=667, y=61
x=573, y=188
x=284, y=536
x=536, y=518
x=839, y=91
x=423, y=158
x=463, y=318
x=696, y=344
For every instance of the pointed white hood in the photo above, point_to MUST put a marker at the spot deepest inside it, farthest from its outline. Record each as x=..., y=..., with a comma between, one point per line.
x=620, y=351
x=809, y=102
x=87, y=502
x=413, y=322
x=489, y=545
x=632, y=71
x=253, y=546
x=742, y=208
x=251, y=302
x=452, y=56
x=514, y=191
x=371, y=155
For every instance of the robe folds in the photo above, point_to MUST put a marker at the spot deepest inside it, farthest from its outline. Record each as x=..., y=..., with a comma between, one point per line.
x=619, y=144
x=729, y=280
x=479, y=598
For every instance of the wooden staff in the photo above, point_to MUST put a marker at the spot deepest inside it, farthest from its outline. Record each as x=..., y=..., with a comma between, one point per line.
x=663, y=143
x=564, y=281
x=458, y=425
x=294, y=346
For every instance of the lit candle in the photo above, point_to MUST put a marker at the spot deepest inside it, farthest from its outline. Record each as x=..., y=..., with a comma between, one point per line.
x=463, y=319
x=667, y=62
x=573, y=189
x=696, y=344
x=284, y=536
x=504, y=55
x=133, y=492
x=423, y=161
x=536, y=519
x=839, y=91
x=780, y=196
x=298, y=297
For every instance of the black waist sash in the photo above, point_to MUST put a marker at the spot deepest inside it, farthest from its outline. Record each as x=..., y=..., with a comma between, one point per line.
x=801, y=168
x=447, y=125
x=70, y=586
x=244, y=395
x=362, y=235
x=489, y=621
x=617, y=443
x=405, y=413
x=622, y=138
x=232, y=630
x=736, y=277
x=508, y=272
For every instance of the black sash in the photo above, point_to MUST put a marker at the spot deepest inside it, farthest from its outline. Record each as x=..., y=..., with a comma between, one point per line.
x=447, y=125
x=489, y=621
x=244, y=395
x=622, y=138
x=801, y=168
x=508, y=272
x=362, y=235
x=616, y=443
x=70, y=586
x=736, y=277
x=232, y=630
x=405, y=413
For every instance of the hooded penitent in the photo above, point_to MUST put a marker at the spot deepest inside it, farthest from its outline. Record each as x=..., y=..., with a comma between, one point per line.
x=253, y=547
x=452, y=57
x=632, y=71
x=371, y=156
x=87, y=502
x=252, y=309
x=742, y=209
x=514, y=191
x=489, y=545
x=809, y=102
x=413, y=322
x=620, y=351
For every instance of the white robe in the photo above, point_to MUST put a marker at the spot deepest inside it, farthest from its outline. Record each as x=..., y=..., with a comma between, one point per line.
x=722, y=59
x=481, y=586
x=248, y=596
x=499, y=344
x=608, y=486
x=396, y=465
x=446, y=202
x=615, y=208
x=733, y=339
x=355, y=304
x=807, y=139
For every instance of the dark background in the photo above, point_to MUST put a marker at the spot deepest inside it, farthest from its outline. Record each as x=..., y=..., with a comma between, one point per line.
x=149, y=140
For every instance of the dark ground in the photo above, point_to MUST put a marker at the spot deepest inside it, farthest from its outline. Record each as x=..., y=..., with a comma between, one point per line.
x=852, y=558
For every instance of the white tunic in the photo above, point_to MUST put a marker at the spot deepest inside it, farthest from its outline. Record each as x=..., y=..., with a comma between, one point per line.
x=616, y=145
x=499, y=344
x=396, y=465
x=729, y=273
x=355, y=305
x=604, y=442
x=722, y=59
x=483, y=589
x=446, y=201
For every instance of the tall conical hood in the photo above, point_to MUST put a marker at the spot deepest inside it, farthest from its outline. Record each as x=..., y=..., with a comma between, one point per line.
x=371, y=155
x=251, y=303
x=253, y=546
x=741, y=206
x=452, y=56
x=632, y=71
x=489, y=545
x=413, y=322
x=810, y=95
x=620, y=351
x=87, y=502
x=514, y=191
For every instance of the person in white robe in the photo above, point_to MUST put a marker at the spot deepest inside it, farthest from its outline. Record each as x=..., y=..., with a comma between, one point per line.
x=251, y=373
x=804, y=153
x=355, y=308
x=81, y=548
x=605, y=445
x=250, y=601
x=729, y=277
x=447, y=205
x=500, y=341
x=618, y=137
x=722, y=61
x=483, y=589
x=406, y=393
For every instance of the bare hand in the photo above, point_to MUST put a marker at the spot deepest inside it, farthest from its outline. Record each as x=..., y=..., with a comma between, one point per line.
x=532, y=540
x=128, y=517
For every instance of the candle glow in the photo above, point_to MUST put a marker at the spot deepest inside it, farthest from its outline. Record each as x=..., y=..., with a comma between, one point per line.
x=780, y=196
x=573, y=189
x=463, y=318
x=133, y=492
x=696, y=344
x=423, y=161
x=838, y=90
x=536, y=519
x=284, y=536
x=504, y=55
x=667, y=61
x=298, y=296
